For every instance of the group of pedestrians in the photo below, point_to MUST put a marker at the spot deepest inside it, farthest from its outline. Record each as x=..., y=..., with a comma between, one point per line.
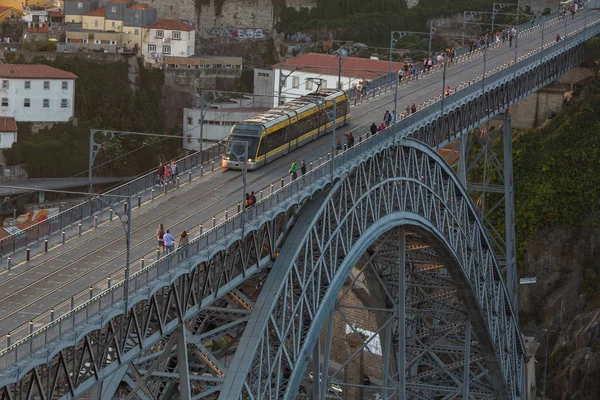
x=166, y=173
x=166, y=241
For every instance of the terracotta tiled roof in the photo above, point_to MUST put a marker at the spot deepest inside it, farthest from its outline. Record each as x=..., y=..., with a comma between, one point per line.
x=34, y=71
x=55, y=14
x=98, y=12
x=140, y=6
x=328, y=64
x=8, y=124
x=5, y=9
x=119, y=1
x=170, y=25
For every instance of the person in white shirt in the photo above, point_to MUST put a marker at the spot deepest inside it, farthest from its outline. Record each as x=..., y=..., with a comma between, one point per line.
x=169, y=242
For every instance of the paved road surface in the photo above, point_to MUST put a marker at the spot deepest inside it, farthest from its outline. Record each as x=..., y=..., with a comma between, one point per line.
x=33, y=288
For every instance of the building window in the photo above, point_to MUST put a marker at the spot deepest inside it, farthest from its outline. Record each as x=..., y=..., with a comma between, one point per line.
x=80, y=5
x=46, y=103
x=190, y=121
x=46, y=85
x=27, y=84
x=309, y=84
x=96, y=23
x=151, y=48
x=283, y=81
x=136, y=16
x=113, y=42
x=323, y=84
x=97, y=41
x=166, y=49
x=113, y=10
x=296, y=82
x=114, y=24
x=65, y=85
x=5, y=84
x=27, y=103
x=136, y=32
x=4, y=102
x=160, y=34
x=64, y=103
x=176, y=35
x=189, y=138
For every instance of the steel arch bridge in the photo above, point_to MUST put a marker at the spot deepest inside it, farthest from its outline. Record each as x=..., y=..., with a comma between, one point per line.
x=406, y=184
x=158, y=346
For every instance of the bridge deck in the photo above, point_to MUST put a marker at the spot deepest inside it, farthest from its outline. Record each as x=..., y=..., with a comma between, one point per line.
x=32, y=288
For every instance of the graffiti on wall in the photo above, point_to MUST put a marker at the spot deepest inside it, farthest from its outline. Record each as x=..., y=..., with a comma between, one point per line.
x=187, y=22
x=300, y=37
x=238, y=33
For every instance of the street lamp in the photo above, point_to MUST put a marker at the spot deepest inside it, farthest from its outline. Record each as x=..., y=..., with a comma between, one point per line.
x=319, y=103
x=107, y=134
x=283, y=78
x=243, y=160
x=125, y=224
x=545, y=363
x=341, y=53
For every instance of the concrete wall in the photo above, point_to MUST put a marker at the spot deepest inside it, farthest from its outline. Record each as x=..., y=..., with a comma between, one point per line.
x=234, y=15
x=339, y=347
x=263, y=86
x=534, y=109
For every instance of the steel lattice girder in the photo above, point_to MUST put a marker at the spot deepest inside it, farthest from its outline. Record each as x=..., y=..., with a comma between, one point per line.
x=93, y=353
x=459, y=117
x=403, y=184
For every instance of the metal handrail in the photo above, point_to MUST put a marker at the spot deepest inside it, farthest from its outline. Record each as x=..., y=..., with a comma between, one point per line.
x=318, y=176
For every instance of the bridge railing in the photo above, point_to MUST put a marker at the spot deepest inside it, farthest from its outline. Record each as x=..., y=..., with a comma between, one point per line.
x=94, y=206
x=111, y=297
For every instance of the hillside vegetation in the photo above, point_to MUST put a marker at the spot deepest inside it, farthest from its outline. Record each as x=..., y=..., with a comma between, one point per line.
x=103, y=100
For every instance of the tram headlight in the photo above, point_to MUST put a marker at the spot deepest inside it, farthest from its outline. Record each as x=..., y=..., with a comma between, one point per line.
x=249, y=160
x=225, y=158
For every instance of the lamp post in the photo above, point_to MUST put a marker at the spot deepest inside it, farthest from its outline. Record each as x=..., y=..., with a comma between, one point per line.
x=545, y=363
x=282, y=78
x=106, y=134
x=333, y=119
x=341, y=53
x=125, y=224
x=243, y=160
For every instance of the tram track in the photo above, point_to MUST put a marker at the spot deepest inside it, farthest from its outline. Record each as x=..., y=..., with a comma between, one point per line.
x=267, y=170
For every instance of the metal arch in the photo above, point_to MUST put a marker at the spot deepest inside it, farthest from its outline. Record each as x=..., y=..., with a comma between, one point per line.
x=429, y=188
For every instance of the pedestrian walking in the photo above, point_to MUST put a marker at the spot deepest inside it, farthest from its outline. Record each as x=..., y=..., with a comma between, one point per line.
x=373, y=129
x=303, y=168
x=349, y=139
x=293, y=171
x=169, y=242
x=174, y=171
x=167, y=174
x=160, y=174
x=252, y=198
x=184, y=240
x=160, y=233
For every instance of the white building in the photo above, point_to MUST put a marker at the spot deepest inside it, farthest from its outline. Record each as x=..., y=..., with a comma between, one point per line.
x=168, y=38
x=310, y=72
x=8, y=132
x=218, y=120
x=36, y=93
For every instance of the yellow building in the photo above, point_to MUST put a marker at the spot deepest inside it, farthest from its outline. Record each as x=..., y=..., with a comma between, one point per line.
x=9, y=12
x=113, y=25
x=21, y=4
x=133, y=35
x=94, y=20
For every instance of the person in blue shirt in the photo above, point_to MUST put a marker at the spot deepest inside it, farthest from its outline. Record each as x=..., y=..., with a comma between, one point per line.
x=169, y=242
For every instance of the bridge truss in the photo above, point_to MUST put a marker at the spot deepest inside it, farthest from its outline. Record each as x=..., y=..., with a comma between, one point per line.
x=387, y=194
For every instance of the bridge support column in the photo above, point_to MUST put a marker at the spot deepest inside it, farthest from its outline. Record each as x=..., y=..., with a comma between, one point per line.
x=182, y=365
x=402, y=314
x=509, y=214
x=463, y=156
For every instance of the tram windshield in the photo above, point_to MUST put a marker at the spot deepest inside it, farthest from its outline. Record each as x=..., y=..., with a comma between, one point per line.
x=240, y=134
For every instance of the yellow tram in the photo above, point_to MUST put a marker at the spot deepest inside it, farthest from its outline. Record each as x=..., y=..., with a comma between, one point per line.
x=282, y=129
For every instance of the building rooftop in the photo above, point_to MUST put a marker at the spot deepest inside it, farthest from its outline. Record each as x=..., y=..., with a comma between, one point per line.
x=170, y=25
x=328, y=64
x=5, y=9
x=119, y=1
x=8, y=124
x=33, y=71
x=140, y=6
x=98, y=12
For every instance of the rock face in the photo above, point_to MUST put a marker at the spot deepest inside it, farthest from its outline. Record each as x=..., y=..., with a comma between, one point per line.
x=563, y=259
